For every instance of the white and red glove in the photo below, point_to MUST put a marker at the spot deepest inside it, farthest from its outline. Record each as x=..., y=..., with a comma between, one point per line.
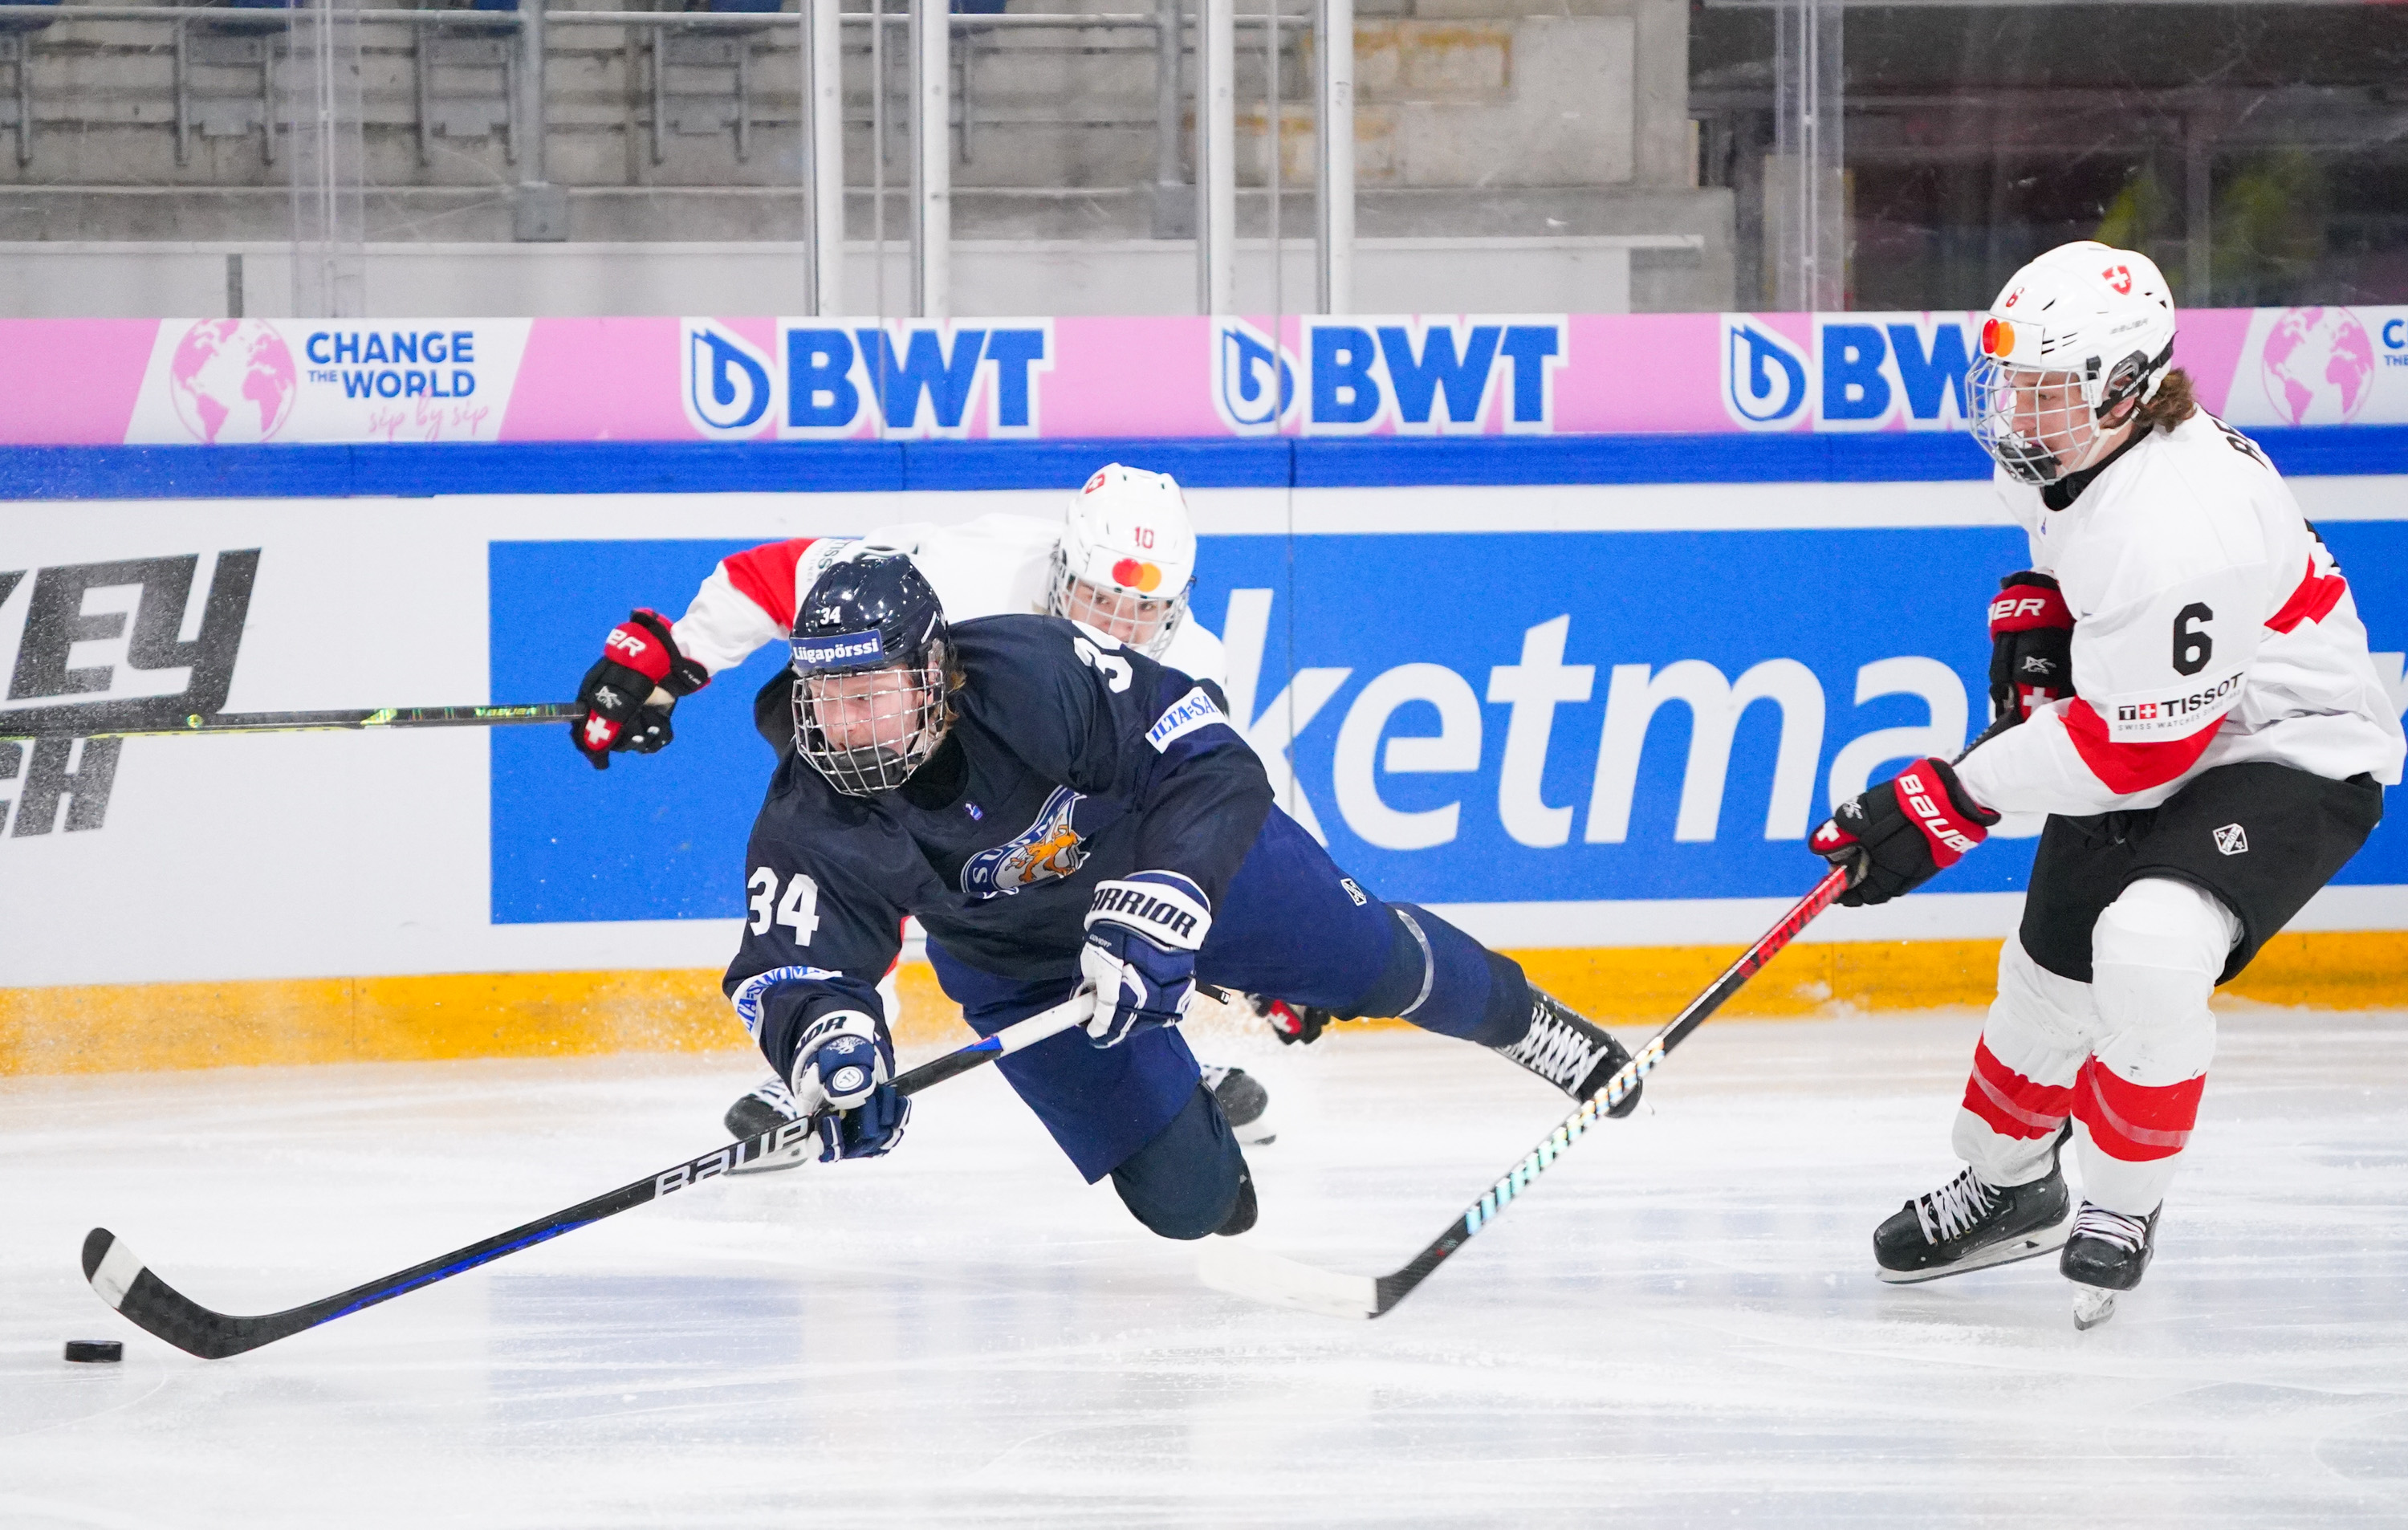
x=2032, y=646
x=631, y=689
x=1894, y=838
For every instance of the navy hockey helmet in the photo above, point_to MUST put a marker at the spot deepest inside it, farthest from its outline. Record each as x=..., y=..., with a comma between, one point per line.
x=870, y=648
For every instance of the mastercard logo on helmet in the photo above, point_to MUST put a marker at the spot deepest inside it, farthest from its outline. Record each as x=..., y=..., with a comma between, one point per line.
x=1136, y=574
x=1997, y=337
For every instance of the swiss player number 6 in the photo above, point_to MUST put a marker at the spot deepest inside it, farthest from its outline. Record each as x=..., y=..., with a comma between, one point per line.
x=2192, y=647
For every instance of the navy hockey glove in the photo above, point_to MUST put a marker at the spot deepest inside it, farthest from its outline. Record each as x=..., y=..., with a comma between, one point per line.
x=1899, y=834
x=2032, y=646
x=1141, y=953
x=842, y=1074
x=628, y=692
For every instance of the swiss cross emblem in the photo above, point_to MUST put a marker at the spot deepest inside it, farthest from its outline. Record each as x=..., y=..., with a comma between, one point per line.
x=2120, y=277
x=2232, y=839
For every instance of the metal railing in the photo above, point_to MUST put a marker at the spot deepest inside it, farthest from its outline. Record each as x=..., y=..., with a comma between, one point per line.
x=516, y=43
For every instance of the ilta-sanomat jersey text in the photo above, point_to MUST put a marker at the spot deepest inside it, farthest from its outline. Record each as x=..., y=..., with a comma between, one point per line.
x=1071, y=761
x=2212, y=626
x=991, y=567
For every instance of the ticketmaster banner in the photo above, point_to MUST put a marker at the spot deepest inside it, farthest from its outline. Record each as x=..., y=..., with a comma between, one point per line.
x=233, y=381
x=1509, y=719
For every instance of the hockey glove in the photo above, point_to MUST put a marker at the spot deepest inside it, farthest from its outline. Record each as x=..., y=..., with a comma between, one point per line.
x=1897, y=836
x=1141, y=953
x=628, y=692
x=1292, y=1023
x=2032, y=646
x=842, y=1075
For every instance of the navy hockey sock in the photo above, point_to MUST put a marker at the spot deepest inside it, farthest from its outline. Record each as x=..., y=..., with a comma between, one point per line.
x=1443, y=981
x=1187, y=1181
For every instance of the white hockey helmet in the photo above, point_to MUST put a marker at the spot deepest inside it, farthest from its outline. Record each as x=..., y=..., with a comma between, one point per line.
x=1127, y=559
x=2073, y=335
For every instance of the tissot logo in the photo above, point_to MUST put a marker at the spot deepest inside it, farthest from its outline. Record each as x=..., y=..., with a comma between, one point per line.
x=92, y=648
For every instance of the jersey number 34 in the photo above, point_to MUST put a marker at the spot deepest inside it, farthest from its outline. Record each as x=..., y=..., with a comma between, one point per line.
x=798, y=910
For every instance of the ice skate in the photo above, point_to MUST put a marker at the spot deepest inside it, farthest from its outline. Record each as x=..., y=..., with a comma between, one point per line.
x=764, y=1109
x=1574, y=1054
x=1245, y=1103
x=2106, y=1256
x=1968, y=1224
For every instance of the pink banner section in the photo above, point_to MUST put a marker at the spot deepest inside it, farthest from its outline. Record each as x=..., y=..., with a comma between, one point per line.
x=223, y=381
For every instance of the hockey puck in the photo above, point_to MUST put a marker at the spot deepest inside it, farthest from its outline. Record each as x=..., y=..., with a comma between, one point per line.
x=88, y=1351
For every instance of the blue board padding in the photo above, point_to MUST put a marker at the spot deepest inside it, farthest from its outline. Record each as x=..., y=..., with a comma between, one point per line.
x=568, y=467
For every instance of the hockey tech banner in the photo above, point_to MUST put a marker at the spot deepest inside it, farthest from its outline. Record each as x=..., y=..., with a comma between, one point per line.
x=243, y=380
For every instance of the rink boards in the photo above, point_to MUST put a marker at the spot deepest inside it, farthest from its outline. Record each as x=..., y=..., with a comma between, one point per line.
x=1593, y=722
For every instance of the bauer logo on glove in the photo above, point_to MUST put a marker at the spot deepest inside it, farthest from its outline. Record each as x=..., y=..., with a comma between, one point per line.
x=1894, y=838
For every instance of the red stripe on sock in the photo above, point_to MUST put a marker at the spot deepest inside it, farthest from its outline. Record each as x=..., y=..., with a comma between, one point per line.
x=2011, y=1104
x=2136, y=1123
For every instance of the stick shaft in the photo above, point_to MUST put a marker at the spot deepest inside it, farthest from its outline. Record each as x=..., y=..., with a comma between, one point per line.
x=1393, y=1288
x=157, y=1306
x=150, y=724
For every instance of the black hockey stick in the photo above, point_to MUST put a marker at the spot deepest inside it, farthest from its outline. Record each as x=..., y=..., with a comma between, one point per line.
x=127, y=1284
x=1235, y=1266
x=350, y=722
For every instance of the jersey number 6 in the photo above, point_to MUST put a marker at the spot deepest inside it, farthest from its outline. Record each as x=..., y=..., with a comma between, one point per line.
x=798, y=910
x=2192, y=647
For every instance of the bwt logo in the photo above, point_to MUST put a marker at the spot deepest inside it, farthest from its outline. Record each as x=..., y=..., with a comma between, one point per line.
x=1253, y=379
x=831, y=379
x=1421, y=376
x=140, y=647
x=1857, y=376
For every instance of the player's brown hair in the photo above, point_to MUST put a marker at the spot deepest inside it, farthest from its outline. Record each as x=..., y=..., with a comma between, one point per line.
x=2173, y=403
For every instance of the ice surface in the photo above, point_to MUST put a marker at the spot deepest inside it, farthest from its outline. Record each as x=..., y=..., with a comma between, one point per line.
x=1678, y=1326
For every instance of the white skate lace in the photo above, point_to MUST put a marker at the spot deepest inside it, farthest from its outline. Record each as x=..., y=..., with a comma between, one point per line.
x=1953, y=1209
x=1555, y=1051
x=2131, y=1233
x=778, y=1097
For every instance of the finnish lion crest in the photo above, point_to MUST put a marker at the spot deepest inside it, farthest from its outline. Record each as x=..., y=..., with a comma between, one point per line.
x=1045, y=851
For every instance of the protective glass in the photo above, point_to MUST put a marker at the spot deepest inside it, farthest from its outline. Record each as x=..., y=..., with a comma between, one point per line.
x=867, y=731
x=2036, y=424
x=1145, y=622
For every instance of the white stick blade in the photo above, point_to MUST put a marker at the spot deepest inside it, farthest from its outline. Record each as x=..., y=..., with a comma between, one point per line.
x=1243, y=1270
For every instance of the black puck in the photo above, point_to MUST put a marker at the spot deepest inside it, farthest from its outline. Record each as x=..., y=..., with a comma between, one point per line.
x=94, y=1350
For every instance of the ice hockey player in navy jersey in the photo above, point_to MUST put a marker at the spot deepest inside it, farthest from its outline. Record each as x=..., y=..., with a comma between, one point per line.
x=1122, y=559
x=2185, y=691
x=1060, y=810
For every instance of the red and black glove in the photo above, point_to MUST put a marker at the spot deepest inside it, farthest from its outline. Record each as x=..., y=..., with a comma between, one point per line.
x=2032, y=646
x=628, y=692
x=1897, y=836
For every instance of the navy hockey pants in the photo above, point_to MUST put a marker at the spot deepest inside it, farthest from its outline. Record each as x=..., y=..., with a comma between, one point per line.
x=1291, y=926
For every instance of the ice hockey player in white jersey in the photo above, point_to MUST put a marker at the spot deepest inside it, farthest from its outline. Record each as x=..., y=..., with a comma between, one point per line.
x=2184, y=688
x=1123, y=561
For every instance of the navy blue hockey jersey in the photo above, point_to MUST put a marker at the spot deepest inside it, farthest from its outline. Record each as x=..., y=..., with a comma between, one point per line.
x=1071, y=761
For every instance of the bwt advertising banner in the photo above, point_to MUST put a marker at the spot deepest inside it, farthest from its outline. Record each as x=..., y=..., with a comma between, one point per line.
x=1619, y=730
x=238, y=380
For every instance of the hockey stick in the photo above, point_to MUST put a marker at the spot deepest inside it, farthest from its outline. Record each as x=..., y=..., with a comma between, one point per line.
x=380, y=717
x=1233, y=1266
x=127, y=1284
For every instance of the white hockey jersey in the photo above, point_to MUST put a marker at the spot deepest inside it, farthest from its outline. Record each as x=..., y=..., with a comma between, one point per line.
x=2212, y=626
x=990, y=566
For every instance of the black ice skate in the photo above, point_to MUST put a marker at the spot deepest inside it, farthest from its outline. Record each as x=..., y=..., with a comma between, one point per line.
x=1572, y=1053
x=764, y=1109
x=2107, y=1254
x=1970, y=1224
x=1245, y=1103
